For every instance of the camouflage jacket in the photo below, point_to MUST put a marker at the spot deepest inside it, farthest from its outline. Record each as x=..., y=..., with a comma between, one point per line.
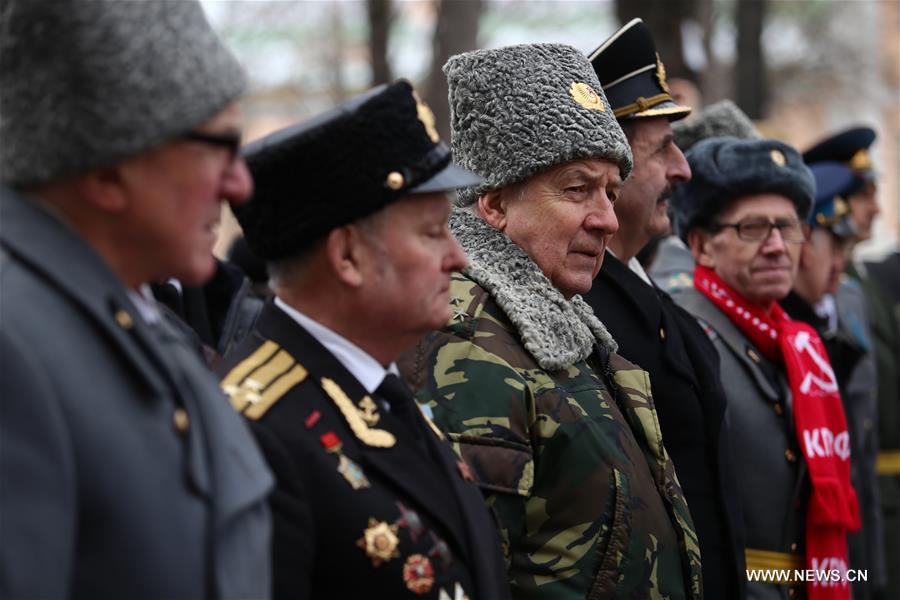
x=561, y=432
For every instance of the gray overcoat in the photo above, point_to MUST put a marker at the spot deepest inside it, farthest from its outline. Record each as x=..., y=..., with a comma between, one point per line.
x=124, y=472
x=771, y=473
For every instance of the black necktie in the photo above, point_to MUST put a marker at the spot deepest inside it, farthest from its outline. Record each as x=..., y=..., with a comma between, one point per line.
x=403, y=405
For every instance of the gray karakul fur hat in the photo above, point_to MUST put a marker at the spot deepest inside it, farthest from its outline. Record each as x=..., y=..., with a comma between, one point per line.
x=720, y=119
x=520, y=110
x=86, y=84
x=725, y=169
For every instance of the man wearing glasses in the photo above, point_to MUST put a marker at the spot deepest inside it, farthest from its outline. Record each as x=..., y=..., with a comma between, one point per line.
x=743, y=216
x=124, y=473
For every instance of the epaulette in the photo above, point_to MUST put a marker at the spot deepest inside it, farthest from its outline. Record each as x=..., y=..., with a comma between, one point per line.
x=256, y=383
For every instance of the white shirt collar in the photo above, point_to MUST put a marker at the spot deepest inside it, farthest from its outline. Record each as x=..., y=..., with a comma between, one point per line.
x=635, y=266
x=145, y=304
x=360, y=363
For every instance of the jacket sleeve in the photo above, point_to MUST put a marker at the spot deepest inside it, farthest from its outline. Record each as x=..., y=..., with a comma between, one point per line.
x=293, y=531
x=37, y=480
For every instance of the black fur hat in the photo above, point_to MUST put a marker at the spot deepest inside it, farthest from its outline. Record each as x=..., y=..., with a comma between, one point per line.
x=725, y=169
x=343, y=165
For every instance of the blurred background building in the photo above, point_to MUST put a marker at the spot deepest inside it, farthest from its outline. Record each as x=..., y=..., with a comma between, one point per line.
x=801, y=68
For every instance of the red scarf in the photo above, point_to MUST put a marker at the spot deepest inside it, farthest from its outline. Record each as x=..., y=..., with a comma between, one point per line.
x=819, y=422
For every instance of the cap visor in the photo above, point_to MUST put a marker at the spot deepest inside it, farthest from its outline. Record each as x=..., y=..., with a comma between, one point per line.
x=673, y=111
x=452, y=177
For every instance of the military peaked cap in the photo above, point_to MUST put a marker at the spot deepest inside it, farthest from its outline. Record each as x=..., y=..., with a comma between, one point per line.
x=633, y=76
x=343, y=165
x=835, y=182
x=850, y=147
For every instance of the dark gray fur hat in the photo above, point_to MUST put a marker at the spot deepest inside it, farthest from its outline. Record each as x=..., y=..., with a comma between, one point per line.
x=724, y=169
x=520, y=110
x=87, y=83
x=723, y=118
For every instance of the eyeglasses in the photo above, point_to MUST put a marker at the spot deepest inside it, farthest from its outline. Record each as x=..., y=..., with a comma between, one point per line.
x=229, y=141
x=758, y=230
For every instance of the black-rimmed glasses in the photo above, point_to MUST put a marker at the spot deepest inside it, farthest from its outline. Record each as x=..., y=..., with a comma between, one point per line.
x=758, y=230
x=229, y=141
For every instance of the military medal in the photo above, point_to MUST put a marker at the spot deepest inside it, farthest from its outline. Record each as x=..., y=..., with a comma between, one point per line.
x=458, y=593
x=409, y=519
x=465, y=470
x=380, y=542
x=418, y=574
x=439, y=549
x=312, y=419
x=351, y=471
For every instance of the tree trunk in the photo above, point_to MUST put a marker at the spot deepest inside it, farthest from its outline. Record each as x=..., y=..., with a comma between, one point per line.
x=750, y=80
x=663, y=19
x=455, y=31
x=379, y=13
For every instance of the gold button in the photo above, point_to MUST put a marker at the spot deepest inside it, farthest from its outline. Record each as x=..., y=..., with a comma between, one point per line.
x=794, y=547
x=395, y=180
x=779, y=409
x=789, y=455
x=124, y=319
x=753, y=355
x=662, y=334
x=181, y=420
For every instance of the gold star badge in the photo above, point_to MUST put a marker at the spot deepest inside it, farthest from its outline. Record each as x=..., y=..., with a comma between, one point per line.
x=380, y=541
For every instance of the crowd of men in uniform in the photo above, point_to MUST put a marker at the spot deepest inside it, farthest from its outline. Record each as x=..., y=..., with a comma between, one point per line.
x=482, y=394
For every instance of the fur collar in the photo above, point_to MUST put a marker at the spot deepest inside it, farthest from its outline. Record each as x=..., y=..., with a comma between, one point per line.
x=555, y=331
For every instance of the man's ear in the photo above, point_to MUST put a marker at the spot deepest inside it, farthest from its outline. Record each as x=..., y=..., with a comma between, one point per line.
x=104, y=189
x=698, y=241
x=493, y=206
x=342, y=247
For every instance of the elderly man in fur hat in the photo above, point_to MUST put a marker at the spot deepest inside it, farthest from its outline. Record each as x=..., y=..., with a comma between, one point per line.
x=743, y=214
x=561, y=431
x=123, y=471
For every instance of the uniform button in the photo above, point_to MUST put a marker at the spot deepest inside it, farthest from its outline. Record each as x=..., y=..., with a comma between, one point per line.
x=662, y=334
x=794, y=547
x=124, y=319
x=395, y=180
x=790, y=456
x=792, y=593
x=779, y=409
x=181, y=420
x=753, y=355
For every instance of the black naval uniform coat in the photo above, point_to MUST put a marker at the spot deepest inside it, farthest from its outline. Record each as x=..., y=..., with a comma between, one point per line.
x=362, y=509
x=667, y=342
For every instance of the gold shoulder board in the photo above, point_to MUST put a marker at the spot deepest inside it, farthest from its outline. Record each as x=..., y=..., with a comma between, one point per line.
x=260, y=380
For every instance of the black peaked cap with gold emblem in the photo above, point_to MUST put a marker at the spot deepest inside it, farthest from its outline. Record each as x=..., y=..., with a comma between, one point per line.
x=850, y=147
x=343, y=165
x=633, y=76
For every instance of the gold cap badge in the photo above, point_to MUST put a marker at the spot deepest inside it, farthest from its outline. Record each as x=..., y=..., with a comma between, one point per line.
x=586, y=96
x=427, y=118
x=661, y=74
x=778, y=157
x=861, y=160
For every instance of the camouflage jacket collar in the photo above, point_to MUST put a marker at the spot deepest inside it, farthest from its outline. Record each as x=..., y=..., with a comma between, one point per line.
x=555, y=331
